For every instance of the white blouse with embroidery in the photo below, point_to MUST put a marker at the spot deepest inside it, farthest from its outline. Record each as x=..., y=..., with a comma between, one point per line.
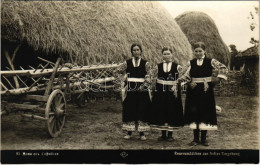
x=221, y=68
x=120, y=71
x=154, y=71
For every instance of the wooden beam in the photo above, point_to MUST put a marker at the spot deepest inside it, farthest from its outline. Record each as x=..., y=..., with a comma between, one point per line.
x=36, y=68
x=35, y=88
x=8, y=82
x=45, y=66
x=50, y=83
x=33, y=84
x=34, y=117
x=64, y=70
x=35, y=97
x=31, y=67
x=4, y=86
x=15, y=51
x=21, y=80
x=46, y=61
x=21, y=106
x=7, y=56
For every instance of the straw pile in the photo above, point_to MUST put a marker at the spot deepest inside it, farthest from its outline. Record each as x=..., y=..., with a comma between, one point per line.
x=198, y=26
x=94, y=32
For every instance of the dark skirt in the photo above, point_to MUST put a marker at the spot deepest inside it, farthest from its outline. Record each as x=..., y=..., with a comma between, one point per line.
x=136, y=106
x=167, y=111
x=200, y=106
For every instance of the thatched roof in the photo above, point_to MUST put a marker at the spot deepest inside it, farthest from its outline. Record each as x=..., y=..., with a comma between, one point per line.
x=198, y=26
x=252, y=52
x=95, y=30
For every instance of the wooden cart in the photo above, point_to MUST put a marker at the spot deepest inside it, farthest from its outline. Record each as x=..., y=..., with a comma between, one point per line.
x=42, y=93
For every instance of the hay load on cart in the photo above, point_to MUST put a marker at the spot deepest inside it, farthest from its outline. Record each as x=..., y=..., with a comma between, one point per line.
x=40, y=38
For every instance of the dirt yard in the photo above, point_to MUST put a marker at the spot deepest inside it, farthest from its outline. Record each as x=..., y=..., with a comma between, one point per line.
x=98, y=126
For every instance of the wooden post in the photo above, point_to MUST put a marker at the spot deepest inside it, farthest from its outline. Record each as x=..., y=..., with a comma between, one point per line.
x=21, y=81
x=35, y=82
x=7, y=56
x=88, y=63
x=46, y=60
x=44, y=67
x=34, y=116
x=71, y=58
x=4, y=86
x=8, y=82
x=50, y=83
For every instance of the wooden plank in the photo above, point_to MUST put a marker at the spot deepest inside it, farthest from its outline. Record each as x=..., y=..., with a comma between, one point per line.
x=38, y=73
x=15, y=51
x=46, y=61
x=34, y=116
x=33, y=84
x=78, y=91
x=35, y=88
x=24, y=90
x=21, y=106
x=36, y=68
x=22, y=81
x=44, y=67
x=8, y=82
x=35, y=97
x=4, y=86
x=30, y=67
x=10, y=61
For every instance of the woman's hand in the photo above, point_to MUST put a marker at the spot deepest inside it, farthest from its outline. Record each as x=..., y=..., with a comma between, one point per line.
x=192, y=85
x=215, y=80
x=179, y=80
x=141, y=88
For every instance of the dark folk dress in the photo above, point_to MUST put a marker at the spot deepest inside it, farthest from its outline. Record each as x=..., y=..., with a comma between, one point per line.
x=167, y=108
x=200, y=107
x=137, y=104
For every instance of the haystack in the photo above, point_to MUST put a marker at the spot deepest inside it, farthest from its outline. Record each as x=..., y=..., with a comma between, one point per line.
x=198, y=26
x=93, y=32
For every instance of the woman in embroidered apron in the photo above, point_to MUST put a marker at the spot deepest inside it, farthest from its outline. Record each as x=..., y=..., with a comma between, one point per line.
x=200, y=109
x=135, y=96
x=167, y=112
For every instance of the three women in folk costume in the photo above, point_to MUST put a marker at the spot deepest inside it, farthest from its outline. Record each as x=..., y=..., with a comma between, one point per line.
x=165, y=112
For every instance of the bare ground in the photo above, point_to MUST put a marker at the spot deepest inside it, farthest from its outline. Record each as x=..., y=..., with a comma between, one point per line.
x=98, y=126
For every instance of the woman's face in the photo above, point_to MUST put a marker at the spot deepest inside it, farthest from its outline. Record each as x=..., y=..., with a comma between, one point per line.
x=199, y=53
x=136, y=52
x=167, y=56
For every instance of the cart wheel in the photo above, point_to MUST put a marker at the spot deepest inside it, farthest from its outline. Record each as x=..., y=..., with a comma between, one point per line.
x=81, y=100
x=55, y=112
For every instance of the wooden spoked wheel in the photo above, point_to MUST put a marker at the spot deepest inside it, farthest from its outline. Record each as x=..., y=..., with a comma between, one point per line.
x=55, y=112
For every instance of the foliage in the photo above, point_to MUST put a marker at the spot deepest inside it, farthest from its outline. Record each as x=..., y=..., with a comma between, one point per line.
x=254, y=17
